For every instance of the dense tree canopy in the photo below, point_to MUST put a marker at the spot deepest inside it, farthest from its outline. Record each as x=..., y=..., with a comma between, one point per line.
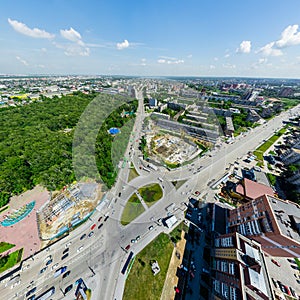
x=36, y=142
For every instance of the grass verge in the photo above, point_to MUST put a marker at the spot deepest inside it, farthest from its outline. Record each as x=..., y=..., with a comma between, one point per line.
x=259, y=152
x=5, y=246
x=132, y=174
x=178, y=184
x=132, y=210
x=6, y=262
x=151, y=193
x=141, y=283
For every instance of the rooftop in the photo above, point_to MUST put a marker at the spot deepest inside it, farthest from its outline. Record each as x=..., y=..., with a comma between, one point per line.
x=252, y=190
x=285, y=212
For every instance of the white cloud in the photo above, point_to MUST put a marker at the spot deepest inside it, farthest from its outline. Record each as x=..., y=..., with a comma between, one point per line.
x=227, y=55
x=190, y=56
x=24, y=29
x=245, y=47
x=170, y=60
x=216, y=58
x=71, y=34
x=212, y=67
x=23, y=61
x=229, y=66
x=123, y=45
x=269, y=50
x=77, y=47
x=262, y=60
x=143, y=62
x=289, y=37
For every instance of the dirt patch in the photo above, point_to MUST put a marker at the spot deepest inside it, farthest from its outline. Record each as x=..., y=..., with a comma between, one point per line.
x=171, y=281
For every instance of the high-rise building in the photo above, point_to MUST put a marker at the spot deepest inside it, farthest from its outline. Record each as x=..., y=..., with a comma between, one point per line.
x=239, y=269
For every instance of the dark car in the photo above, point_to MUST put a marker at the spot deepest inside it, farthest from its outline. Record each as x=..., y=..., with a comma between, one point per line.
x=127, y=247
x=68, y=288
x=91, y=234
x=100, y=225
x=49, y=262
x=83, y=236
x=65, y=251
x=105, y=219
x=31, y=292
x=66, y=274
x=99, y=219
x=43, y=270
x=31, y=297
x=64, y=256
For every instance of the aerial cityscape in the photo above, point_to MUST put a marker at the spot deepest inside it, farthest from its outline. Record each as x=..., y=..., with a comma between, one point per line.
x=149, y=150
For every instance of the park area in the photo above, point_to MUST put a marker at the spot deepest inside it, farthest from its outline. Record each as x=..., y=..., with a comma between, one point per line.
x=132, y=210
x=141, y=283
x=161, y=249
x=151, y=193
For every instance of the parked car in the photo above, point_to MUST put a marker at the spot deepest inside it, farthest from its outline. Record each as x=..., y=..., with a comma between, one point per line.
x=100, y=225
x=127, y=247
x=275, y=262
x=83, y=236
x=54, y=266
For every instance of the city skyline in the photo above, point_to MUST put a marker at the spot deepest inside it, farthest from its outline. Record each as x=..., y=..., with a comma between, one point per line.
x=157, y=39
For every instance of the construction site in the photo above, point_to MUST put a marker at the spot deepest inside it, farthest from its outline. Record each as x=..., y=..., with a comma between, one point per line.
x=173, y=150
x=67, y=209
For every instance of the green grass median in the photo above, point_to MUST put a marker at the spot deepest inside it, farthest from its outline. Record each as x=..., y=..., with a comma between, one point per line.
x=132, y=210
x=151, y=193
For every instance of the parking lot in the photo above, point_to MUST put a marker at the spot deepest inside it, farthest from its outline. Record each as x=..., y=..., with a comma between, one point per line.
x=286, y=273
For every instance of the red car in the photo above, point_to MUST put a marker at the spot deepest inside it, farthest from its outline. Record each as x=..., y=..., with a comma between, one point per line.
x=93, y=226
x=275, y=262
x=127, y=247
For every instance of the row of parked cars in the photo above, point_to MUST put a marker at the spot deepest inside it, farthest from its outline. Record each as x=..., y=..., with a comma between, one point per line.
x=284, y=288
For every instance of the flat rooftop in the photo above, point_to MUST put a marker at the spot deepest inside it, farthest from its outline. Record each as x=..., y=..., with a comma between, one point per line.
x=282, y=210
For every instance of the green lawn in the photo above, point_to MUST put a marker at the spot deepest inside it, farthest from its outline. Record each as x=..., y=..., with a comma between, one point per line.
x=132, y=174
x=5, y=246
x=151, y=193
x=132, y=210
x=9, y=261
x=141, y=284
x=267, y=144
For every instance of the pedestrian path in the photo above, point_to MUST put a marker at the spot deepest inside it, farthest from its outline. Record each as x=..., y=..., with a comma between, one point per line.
x=142, y=200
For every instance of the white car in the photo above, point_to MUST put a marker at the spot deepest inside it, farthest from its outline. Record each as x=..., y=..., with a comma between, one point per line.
x=68, y=244
x=54, y=266
x=80, y=249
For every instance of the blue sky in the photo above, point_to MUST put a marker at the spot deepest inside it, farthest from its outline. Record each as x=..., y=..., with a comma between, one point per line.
x=157, y=37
